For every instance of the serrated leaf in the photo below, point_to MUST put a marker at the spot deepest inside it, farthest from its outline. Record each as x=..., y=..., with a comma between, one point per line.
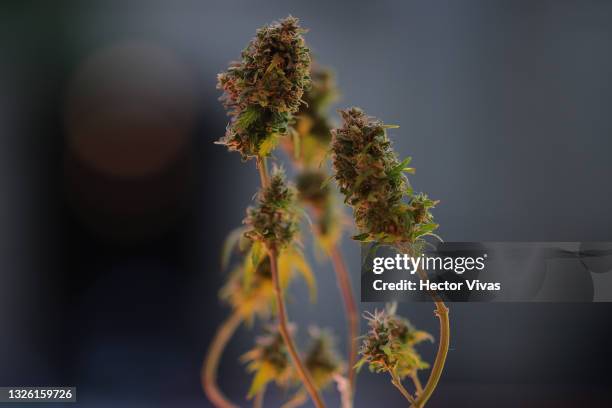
x=248, y=116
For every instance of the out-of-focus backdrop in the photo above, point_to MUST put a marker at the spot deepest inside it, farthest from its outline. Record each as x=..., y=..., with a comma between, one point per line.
x=114, y=201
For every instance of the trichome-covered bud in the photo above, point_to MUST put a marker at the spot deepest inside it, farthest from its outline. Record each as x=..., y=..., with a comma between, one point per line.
x=373, y=181
x=420, y=205
x=312, y=188
x=322, y=359
x=310, y=139
x=274, y=220
x=265, y=88
x=389, y=344
x=269, y=360
x=312, y=118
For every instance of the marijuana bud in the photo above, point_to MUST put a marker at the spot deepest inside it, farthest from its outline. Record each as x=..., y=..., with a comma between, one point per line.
x=265, y=88
x=373, y=181
x=322, y=358
x=389, y=345
x=269, y=360
x=311, y=187
x=312, y=122
x=274, y=221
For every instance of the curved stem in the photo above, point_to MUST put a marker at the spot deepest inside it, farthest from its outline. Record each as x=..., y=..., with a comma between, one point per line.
x=438, y=366
x=211, y=363
x=441, y=313
x=285, y=333
x=350, y=307
x=436, y=371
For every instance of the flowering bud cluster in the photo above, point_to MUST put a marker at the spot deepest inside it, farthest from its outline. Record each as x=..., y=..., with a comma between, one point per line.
x=372, y=179
x=274, y=220
x=265, y=88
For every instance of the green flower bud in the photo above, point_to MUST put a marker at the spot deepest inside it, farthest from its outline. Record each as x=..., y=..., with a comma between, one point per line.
x=265, y=88
x=372, y=179
x=274, y=221
x=389, y=344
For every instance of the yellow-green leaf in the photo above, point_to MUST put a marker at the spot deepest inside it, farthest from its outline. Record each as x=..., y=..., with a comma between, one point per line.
x=264, y=374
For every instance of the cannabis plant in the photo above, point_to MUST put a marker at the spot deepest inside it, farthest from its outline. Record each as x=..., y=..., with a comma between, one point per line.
x=265, y=88
x=269, y=361
x=273, y=97
x=385, y=208
x=250, y=293
x=261, y=93
x=308, y=148
x=389, y=347
x=324, y=363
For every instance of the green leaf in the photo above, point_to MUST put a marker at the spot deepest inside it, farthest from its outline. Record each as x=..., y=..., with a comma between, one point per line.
x=395, y=171
x=268, y=144
x=249, y=116
x=229, y=244
x=263, y=376
x=360, y=364
x=361, y=237
x=251, y=262
x=327, y=181
x=425, y=229
x=299, y=263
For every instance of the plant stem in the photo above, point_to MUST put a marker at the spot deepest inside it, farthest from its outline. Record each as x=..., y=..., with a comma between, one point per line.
x=211, y=363
x=350, y=307
x=262, y=166
x=280, y=304
x=398, y=384
x=436, y=371
x=417, y=382
x=438, y=366
x=284, y=331
x=259, y=398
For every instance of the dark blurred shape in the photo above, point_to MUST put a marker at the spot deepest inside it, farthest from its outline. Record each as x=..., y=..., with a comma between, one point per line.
x=129, y=118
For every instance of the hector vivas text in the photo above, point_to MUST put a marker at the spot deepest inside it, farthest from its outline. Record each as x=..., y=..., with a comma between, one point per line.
x=433, y=264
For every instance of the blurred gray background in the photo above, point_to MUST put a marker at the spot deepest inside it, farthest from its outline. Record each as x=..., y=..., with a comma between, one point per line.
x=115, y=202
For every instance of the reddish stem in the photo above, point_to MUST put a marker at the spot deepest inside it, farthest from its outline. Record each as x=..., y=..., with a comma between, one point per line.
x=350, y=306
